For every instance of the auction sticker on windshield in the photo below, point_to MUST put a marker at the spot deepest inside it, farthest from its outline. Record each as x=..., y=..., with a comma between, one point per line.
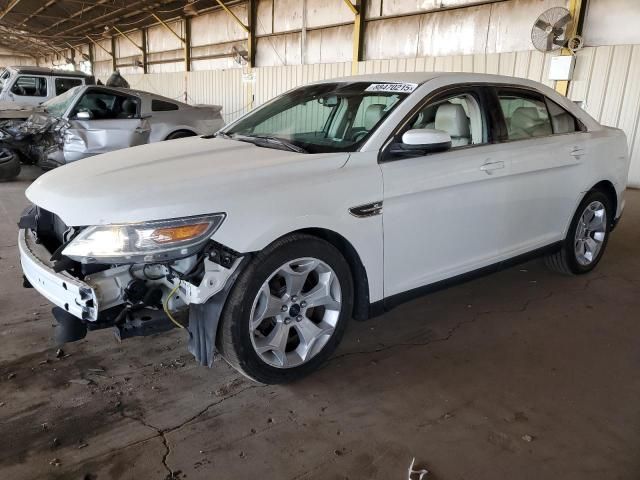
x=392, y=87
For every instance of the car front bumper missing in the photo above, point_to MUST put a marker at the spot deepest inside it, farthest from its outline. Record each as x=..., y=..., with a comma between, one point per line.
x=61, y=289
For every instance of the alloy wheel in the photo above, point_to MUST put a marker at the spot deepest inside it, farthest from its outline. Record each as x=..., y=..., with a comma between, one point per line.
x=591, y=232
x=295, y=312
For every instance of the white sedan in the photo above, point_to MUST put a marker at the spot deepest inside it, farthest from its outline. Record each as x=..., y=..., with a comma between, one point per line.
x=336, y=200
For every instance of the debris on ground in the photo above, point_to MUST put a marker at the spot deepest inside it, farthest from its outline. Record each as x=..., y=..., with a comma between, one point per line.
x=227, y=388
x=80, y=381
x=55, y=462
x=59, y=353
x=10, y=376
x=421, y=473
x=55, y=443
x=528, y=438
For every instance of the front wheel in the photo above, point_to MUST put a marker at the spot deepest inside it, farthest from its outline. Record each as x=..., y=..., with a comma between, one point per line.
x=9, y=164
x=287, y=311
x=587, y=237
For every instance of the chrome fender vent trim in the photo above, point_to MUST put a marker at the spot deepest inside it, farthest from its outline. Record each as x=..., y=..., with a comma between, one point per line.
x=367, y=210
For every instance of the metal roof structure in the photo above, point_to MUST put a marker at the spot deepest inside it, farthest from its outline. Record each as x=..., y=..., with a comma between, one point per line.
x=45, y=27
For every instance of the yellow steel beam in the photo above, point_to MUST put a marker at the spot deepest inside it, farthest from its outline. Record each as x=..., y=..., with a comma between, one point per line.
x=165, y=25
x=99, y=46
x=226, y=9
x=575, y=9
x=353, y=8
x=128, y=38
x=358, y=31
x=8, y=8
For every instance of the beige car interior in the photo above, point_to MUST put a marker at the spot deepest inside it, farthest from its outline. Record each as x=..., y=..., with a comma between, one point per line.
x=458, y=116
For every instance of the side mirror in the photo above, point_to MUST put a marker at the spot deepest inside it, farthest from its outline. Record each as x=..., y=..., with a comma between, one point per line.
x=421, y=141
x=83, y=115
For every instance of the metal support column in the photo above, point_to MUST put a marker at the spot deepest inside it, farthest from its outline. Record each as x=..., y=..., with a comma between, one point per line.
x=577, y=11
x=359, y=11
x=114, y=62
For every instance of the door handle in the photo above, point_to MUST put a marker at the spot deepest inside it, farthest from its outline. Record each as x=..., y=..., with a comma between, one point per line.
x=141, y=130
x=489, y=167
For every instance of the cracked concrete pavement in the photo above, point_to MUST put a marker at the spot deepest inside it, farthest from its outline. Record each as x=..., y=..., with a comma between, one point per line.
x=522, y=374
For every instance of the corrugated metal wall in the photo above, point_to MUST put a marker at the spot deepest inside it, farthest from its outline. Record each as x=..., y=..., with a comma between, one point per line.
x=606, y=79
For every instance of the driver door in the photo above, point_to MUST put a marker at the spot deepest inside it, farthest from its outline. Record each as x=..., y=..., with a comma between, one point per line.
x=114, y=122
x=444, y=213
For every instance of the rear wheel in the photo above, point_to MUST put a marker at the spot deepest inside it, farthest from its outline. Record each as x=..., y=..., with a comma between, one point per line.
x=180, y=134
x=587, y=237
x=287, y=311
x=9, y=164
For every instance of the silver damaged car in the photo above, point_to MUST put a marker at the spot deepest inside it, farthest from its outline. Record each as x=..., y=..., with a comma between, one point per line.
x=90, y=120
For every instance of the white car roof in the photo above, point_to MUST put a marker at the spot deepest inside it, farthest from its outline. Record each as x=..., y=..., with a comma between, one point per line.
x=421, y=77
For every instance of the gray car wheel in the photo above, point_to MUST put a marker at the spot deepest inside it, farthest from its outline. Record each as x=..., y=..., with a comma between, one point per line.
x=10, y=165
x=586, y=238
x=287, y=311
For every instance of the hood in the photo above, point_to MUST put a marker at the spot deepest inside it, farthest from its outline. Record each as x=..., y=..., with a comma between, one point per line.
x=10, y=110
x=190, y=176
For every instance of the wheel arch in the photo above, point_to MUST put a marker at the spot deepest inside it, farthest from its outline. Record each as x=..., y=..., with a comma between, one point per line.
x=191, y=132
x=361, y=301
x=606, y=187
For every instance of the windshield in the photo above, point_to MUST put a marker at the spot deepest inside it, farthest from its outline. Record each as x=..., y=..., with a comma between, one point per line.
x=4, y=76
x=328, y=117
x=58, y=105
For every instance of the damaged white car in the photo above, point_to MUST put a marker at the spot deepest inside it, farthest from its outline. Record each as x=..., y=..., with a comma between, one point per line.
x=90, y=120
x=336, y=200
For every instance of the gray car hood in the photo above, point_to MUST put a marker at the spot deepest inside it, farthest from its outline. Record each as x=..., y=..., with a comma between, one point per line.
x=191, y=176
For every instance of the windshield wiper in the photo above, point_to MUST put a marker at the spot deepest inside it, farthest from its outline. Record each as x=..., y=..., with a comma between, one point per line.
x=264, y=140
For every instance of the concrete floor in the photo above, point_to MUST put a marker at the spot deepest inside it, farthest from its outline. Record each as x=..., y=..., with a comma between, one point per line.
x=521, y=375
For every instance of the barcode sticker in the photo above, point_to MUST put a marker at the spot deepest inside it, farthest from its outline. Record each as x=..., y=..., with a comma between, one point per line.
x=392, y=87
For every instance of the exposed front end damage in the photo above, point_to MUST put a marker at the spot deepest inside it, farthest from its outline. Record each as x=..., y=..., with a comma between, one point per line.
x=39, y=140
x=134, y=299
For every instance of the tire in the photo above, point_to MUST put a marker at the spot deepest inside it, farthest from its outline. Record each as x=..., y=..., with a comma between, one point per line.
x=569, y=260
x=180, y=134
x=262, y=285
x=9, y=164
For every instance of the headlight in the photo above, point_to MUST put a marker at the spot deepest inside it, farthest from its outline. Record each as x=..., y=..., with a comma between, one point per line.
x=148, y=242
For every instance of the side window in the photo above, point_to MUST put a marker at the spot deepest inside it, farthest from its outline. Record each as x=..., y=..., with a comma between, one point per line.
x=103, y=105
x=161, y=106
x=561, y=120
x=28, y=86
x=64, y=84
x=459, y=115
x=525, y=114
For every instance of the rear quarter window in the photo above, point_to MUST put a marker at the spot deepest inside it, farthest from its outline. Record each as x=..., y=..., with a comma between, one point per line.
x=162, y=106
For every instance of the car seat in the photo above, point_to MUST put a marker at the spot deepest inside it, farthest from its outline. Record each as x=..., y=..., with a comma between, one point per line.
x=451, y=118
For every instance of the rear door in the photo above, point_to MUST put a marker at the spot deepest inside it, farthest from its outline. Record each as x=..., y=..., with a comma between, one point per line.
x=62, y=84
x=114, y=123
x=546, y=145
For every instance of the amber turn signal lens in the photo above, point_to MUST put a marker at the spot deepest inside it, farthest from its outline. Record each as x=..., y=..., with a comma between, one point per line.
x=178, y=234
